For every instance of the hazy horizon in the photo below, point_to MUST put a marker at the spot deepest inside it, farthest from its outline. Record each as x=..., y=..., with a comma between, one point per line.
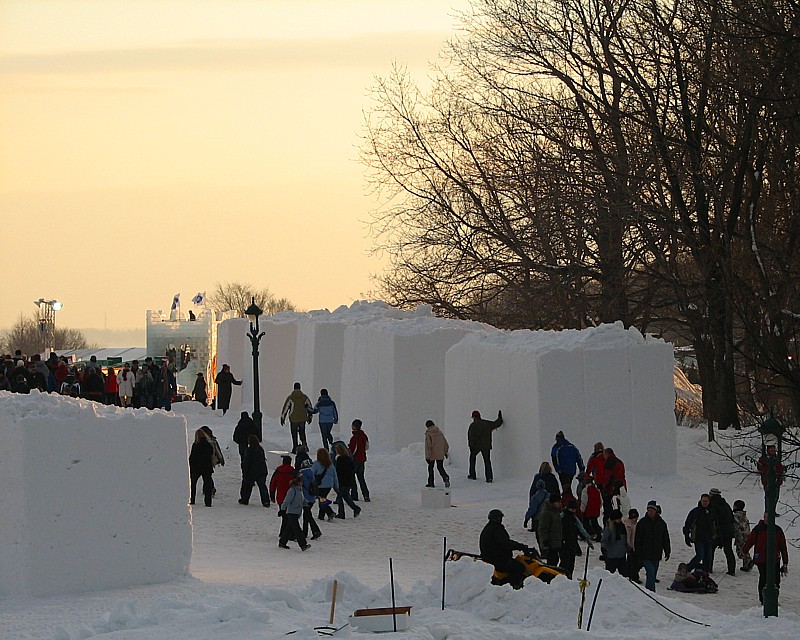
x=148, y=149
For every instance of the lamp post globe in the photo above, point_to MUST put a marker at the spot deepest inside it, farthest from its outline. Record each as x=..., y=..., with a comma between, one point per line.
x=253, y=312
x=771, y=431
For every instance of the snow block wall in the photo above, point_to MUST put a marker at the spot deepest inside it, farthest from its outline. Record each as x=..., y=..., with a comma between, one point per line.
x=604, y=384
x=128, y=525
x=233, y=348
x=395, y=369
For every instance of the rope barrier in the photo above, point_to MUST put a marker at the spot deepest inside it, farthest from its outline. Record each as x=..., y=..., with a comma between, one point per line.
x=703, y=624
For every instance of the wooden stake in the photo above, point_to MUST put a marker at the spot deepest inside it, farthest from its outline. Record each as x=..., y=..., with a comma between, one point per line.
x=333, y=600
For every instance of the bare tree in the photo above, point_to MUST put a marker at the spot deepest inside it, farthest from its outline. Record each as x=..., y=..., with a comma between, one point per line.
x=26, y=336
x=237, y=296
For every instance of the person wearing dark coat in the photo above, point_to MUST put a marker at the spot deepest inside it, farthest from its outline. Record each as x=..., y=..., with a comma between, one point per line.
x=479, y=439
x=200, y=466
x=550, y=532
x=225, y=382
x=724, y=515
x=702, y=531
x=346, y=471
x=199, y=390
x=651, y=541
x=496, y=548
x=94, y=387
x=571, y=531
x=245, y=428
x=547, y=476
x=254, y=471
x=20, y=384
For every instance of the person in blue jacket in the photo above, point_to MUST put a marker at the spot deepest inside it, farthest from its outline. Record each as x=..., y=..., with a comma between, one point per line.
x=328, y=416
x=566, y=461
x=308, y=515
x=325, y=474
x=537, y=500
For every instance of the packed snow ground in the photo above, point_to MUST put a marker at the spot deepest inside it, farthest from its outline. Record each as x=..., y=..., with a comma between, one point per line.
x=243, y=586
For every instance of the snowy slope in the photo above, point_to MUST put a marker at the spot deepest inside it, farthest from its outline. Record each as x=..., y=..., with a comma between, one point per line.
x=243, y=586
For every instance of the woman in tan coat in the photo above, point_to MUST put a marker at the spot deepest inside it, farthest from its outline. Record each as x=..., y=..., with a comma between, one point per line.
x=436, y=450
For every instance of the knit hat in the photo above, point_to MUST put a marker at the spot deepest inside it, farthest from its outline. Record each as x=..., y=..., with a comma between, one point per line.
x=572, y=504
x=715, y=492
x=616, y=514
x=652, y=505
x=476, y=414
x=554, y=497
x=560, y=435
x=633, y=513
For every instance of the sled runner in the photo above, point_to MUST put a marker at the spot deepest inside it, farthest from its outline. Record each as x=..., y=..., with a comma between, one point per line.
x=531, y=561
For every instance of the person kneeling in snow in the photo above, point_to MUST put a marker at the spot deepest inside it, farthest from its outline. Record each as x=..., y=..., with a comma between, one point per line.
x=496, y=547
x=694, y=582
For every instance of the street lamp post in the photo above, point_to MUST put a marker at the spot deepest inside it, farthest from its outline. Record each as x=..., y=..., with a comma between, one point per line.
x=47, y=322
x=253, y=312
x=771, y=431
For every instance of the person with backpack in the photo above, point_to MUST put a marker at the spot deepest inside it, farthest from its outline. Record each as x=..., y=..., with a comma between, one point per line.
x=535, y=506
x=217, y=459
x=200, y=466
x=71, y=386
x=546, y=475
x=346, y=472
x=245, y=428
x=254, y=471
x=325, y=479
x=308, y=514
x=328, y=416
x=298, y=409
x=290, y=510
x=281, y=479
x=436, y=450
x=359, y=445
x=567, y=461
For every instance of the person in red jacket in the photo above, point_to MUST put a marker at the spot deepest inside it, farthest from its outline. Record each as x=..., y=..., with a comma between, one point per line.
x=595, y=460
x=281, y=480
x=757, y=540
x=611, y=479
x=359, y=444
x=591, y=504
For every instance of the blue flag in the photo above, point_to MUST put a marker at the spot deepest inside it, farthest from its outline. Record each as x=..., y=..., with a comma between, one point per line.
x=176, y=301
x=200, y=298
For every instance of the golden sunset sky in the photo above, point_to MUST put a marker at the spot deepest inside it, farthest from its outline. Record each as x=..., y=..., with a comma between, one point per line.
x=150, y=147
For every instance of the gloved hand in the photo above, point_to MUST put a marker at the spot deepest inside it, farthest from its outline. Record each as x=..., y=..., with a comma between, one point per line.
x=500, y=414
x=525, y=524
x=688, y=541
x=666, y=557
x=283, y=422
x=281, y=513
x=308, y=420
x=591, y=546
x=785, y=570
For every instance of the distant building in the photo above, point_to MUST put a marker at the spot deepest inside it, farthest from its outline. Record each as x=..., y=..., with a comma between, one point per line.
x=190, y=344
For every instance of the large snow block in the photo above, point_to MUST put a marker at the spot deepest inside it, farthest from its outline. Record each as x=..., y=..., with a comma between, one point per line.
x=604, y=384
x=393, y=376
x=93, y=497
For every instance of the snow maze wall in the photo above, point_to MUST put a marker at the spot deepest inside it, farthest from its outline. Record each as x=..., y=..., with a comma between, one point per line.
x=394, y=370
x=92, y=496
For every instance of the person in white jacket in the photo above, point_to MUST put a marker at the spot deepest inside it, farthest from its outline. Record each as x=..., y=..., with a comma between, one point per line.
x=126, y=381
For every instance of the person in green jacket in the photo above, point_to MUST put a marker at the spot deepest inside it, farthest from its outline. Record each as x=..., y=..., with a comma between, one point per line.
x=479, y=439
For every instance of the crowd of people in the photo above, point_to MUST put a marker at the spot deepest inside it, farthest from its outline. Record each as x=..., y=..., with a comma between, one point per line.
x=561, y=512
x=561, y=518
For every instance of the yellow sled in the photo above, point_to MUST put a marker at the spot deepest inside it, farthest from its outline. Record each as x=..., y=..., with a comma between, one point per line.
x=531, y=561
